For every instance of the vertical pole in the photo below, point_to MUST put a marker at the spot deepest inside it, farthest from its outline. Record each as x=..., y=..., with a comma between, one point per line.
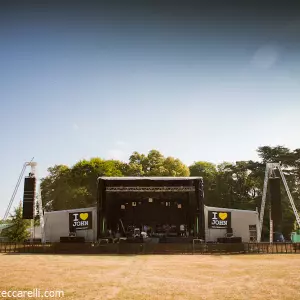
x=41, y=214
x=202, y=210
x=271, y=231
x=99, y=202
x=263, y=203
x=33, y=171
x=200, y=223
x=32, y=228
x=190, y=221
x=197, y=207
x=101, y=208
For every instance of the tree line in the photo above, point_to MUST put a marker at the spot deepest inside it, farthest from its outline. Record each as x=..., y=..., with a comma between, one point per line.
x=234, y=185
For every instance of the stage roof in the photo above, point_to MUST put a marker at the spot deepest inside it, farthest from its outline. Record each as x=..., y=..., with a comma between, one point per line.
x=230, y=209
x=150, y=178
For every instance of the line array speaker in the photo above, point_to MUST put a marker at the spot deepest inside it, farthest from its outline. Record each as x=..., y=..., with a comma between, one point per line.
x=28, y=198
x=275, y=199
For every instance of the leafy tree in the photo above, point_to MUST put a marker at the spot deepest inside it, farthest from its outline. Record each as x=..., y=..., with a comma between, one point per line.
x=56, y=189
x=274, y=154
x=140, y=163
x=76, y=187
x=18, y=232
x=208, y=172
x=155, y=164
x=174, y=167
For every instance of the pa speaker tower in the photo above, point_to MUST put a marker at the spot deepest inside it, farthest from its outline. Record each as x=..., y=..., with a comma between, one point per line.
x=29, y=196
x=275, y=199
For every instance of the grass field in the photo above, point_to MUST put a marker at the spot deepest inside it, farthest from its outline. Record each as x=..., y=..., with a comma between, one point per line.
x=155, y=277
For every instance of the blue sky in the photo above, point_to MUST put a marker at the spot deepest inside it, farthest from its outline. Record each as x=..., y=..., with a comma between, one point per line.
x=94, y=83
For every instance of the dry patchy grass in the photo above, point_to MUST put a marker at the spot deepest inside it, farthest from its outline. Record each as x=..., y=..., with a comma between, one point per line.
x=155, y=277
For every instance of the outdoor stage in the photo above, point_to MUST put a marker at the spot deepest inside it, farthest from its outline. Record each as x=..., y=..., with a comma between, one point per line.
x=159, y=206
x=151, y=210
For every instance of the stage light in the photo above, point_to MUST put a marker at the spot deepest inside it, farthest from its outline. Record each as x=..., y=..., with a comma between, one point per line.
x=133, y=203
x=150, y=200
x=122, y=206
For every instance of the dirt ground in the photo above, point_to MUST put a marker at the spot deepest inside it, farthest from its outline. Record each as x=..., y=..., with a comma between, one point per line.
x=155, y=277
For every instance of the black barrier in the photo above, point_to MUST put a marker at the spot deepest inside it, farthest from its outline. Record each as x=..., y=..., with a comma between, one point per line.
x=148, y=248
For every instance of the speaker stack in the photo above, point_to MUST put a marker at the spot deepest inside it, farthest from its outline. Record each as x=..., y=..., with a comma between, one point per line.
x=28, y=198
x=275, y=199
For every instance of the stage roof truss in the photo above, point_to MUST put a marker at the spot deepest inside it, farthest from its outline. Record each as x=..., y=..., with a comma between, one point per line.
x=172, y=189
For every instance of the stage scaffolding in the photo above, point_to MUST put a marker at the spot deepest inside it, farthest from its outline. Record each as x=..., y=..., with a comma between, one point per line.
x=192, y=186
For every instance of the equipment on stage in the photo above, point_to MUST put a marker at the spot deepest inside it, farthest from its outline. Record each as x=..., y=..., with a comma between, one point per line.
x=229, y=233
x=72, y=239
x=229, y=240
x=136, y=233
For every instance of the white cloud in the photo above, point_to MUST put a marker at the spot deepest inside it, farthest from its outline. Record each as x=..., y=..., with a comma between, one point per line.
x=75, y=126
x=117, y=154
x=265, y=57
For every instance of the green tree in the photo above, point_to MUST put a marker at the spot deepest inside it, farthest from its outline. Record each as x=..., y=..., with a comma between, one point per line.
x=174, y=167
x=76, y=187
x=208, y=172
x=155, y=164
x=56, y=188
x=18, y=232
x=275, y=154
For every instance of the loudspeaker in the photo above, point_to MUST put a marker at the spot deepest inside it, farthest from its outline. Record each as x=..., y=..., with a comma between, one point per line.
x=275, y=199
x=28, y=198
x=229, y=230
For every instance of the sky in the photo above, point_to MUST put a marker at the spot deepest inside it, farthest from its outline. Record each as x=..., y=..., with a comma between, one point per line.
x=194, y=81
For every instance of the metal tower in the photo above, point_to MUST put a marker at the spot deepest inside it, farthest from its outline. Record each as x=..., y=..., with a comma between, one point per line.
x=270, y=169
x=38, y=199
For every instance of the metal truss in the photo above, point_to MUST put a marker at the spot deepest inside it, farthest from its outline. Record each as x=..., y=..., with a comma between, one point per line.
x=172, y=189
x=270, y=168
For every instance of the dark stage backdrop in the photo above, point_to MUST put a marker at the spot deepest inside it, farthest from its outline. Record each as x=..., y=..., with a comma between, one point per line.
x=140, y=211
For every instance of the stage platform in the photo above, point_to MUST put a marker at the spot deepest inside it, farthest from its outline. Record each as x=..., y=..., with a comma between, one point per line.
x=176, y=240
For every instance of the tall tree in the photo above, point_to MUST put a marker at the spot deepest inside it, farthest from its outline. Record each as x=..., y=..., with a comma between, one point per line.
x=18, y=232
x=56, y=188
x=76, y=187
x=208, y=172
x=155, y=164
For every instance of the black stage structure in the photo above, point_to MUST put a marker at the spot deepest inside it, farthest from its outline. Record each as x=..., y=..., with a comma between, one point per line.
x=154, y=201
